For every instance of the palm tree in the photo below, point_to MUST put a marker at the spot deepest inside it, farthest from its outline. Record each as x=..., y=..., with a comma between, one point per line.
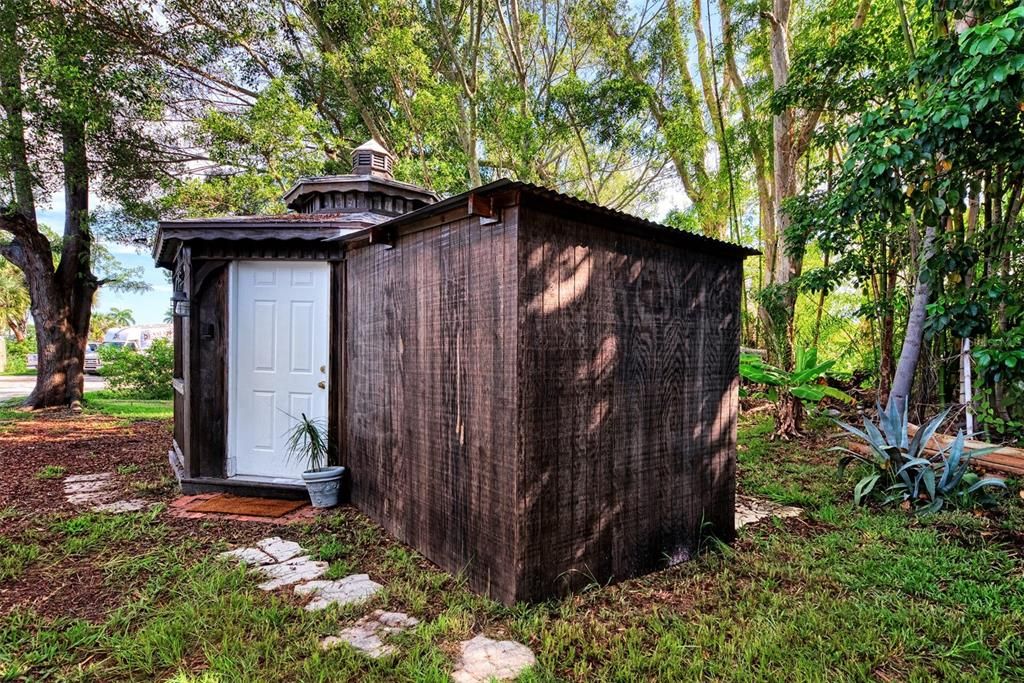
x=121, y=317
x=14, y=300
x=116, y=317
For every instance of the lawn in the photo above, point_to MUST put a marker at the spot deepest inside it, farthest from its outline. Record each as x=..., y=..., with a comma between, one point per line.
x=108, y=403
x=840, y=593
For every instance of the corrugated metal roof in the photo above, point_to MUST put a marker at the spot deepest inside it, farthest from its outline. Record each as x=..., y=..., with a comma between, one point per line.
x=658, y=230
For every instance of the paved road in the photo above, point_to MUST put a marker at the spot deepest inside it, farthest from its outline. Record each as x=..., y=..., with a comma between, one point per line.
x=12, y=386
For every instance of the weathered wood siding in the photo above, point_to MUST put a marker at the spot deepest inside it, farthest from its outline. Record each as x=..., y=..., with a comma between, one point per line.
x=207, y=369
x=628, y=359
x=430, y=377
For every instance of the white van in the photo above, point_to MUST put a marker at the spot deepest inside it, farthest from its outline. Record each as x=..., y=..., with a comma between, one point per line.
x=138, y=337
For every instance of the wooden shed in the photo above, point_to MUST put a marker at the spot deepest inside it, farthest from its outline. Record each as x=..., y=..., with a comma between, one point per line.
x=525, y=387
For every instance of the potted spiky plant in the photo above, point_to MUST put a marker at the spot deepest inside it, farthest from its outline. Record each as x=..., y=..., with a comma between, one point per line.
x=307, y=441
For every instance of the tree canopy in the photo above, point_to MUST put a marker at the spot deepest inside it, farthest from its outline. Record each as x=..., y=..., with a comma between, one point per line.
x=869, y=149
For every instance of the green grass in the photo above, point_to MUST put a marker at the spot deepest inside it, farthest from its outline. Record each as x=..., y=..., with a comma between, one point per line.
x=10, y=410
x=843, y=593
x=14, y=558
x=50, y=472
x=108, y=403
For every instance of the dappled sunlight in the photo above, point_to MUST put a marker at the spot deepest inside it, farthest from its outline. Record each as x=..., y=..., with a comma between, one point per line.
x=603, y=362
x=639, y=379
x=567, y=278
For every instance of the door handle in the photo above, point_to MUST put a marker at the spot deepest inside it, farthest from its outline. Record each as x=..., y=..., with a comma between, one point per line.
x=322, y=384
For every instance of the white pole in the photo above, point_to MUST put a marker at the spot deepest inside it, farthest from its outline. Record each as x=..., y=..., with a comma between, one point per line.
x=965, y=389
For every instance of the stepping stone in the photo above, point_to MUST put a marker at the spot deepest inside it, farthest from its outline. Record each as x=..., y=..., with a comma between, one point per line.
x=750, y=510
x=351, y=589
x=248, y=556
x=483, y=659
x=91, y=497
x=365, y=635
x=130, y=505
x=88, y=486
x=293, y=571
x=279, y=549
x=95, y=476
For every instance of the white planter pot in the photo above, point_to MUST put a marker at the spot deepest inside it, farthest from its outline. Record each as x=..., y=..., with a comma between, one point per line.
x=323, y=485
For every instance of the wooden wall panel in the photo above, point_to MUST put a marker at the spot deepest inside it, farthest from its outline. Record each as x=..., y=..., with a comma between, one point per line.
x=207, y=368
x=430, y=394
x=628, y=356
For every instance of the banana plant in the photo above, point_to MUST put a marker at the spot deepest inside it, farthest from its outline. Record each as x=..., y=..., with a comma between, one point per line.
x=790, y=390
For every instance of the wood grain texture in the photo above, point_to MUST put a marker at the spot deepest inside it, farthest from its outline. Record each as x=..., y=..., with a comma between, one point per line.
x=430, y=395
x=539, y=403
x=628, y=357
x=207, y=369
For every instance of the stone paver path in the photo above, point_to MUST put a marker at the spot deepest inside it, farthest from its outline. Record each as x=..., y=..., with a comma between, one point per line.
x=100, y=491
x=483, y=659
x=285, y=563
x=118, y=506
x=750, y=510
x=351, y=589
x=366, y=634
x=280, y=561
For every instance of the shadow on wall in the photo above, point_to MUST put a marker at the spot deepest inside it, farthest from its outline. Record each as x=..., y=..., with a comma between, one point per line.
x=629, y=434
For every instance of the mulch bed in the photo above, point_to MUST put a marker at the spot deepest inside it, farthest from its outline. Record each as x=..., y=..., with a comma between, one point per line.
x=81, y=444
x=78, y=587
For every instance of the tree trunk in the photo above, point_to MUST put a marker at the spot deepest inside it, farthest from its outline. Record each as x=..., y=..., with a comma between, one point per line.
x=65, y=299
x=903, y=380
x=61, y=341
x=789, y=417
x=782, y=268
x=61, y=297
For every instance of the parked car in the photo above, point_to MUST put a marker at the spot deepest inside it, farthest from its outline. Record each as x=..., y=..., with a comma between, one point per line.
x=92, y=359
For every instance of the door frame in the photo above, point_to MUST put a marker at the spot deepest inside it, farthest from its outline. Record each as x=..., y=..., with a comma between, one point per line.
x=230, y=454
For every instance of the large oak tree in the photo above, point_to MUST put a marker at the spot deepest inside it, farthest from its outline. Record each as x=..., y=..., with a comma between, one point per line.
x=77, y=111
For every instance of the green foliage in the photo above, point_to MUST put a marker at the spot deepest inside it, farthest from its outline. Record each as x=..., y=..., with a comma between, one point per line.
x=306, y=441
x=17, y=353
x=100, y=321
x=15, y=557
x=804, y=382
x=142, y=375
x=50, y=472
x=910, y=476
x=268, y=146
x=14, y=300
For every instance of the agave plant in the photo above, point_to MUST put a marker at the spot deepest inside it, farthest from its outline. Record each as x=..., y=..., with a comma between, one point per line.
x=306, y=440
x=909, y=474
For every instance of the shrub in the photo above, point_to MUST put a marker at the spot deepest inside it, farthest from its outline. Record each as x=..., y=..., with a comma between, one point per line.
x=145, y=375
x=16, y=352
x=921, y=482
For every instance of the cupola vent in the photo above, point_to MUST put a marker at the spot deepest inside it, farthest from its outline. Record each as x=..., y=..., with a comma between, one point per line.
x=371, y=158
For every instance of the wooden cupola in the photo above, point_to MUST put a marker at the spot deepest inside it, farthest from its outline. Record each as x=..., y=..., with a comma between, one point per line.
x=373, y=159
x=369, y=188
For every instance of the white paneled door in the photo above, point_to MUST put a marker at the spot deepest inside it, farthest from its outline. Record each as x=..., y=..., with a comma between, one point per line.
x=278, y=367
